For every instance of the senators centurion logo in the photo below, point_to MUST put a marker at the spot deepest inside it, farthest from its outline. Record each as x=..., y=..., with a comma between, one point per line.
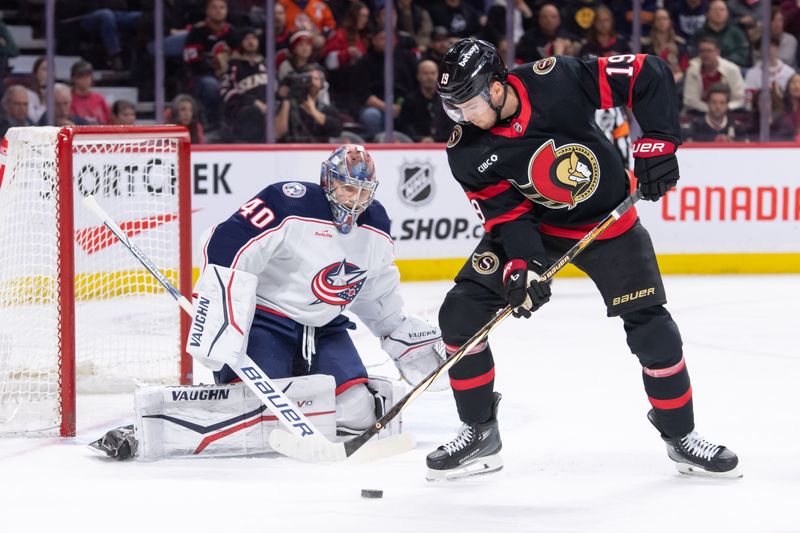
x=338, y=284
x=561, y=176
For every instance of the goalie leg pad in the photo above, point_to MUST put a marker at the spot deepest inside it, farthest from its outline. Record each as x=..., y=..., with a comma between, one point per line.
x=223, y=420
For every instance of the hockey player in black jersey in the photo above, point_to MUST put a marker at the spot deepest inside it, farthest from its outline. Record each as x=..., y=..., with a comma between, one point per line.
x=540, y=174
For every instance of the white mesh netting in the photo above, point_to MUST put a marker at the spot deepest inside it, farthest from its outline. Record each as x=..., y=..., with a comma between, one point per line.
x=127, y=330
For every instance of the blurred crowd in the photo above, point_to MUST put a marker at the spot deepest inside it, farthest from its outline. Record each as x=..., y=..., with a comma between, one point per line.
x=330, y=63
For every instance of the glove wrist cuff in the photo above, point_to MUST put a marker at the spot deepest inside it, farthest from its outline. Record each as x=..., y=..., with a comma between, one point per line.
x=512, y=265
x=650, y=147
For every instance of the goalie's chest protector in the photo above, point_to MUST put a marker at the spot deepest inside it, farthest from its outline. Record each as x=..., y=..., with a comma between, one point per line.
x=307, y=269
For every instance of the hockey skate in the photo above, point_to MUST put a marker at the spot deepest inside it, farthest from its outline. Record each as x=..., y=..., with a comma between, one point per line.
x=118, y=443
x=474, y=451
x=694, y=455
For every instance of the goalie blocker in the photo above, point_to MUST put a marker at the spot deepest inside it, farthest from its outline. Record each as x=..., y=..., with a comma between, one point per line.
x=229, y=420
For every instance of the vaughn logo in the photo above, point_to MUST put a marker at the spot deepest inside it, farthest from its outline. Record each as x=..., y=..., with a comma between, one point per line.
x=198, y=325
x=416, y=186
x=205, y=394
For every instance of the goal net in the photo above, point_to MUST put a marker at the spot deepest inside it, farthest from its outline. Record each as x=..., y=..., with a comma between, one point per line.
x=76, y=309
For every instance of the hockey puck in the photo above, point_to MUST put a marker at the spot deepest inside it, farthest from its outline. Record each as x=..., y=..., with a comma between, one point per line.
x=371, y=493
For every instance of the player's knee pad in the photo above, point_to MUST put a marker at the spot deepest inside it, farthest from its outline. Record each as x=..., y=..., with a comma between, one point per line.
x=653, y=337
x=223, y=420
x=360, y=406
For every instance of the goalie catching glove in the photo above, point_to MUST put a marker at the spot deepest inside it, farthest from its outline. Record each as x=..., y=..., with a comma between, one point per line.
x=525, y=292
x=416, y=348
x=224, y=310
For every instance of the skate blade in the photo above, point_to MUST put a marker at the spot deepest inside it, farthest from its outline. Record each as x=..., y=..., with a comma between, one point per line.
x=478, y=467
x=693, y=470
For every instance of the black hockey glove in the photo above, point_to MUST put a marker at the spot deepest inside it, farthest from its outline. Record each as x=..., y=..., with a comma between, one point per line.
x=655, y=166
x=524, y=292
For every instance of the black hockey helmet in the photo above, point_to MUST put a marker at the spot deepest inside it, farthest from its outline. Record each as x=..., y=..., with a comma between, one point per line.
x=466, y=71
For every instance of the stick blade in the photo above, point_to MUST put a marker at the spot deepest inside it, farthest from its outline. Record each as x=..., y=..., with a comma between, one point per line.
x=321, y=450
x=314, y=449
x=381, y=448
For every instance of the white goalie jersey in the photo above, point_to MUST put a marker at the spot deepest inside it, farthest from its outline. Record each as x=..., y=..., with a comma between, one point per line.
x=307, y=270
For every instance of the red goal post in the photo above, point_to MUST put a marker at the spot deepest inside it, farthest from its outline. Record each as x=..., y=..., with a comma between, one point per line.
x=76, y=310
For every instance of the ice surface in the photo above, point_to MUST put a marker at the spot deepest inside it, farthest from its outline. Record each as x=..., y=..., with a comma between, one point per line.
x=580, y=455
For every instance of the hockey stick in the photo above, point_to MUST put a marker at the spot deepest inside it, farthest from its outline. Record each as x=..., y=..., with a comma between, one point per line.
x=317, y=447
x=294, y=447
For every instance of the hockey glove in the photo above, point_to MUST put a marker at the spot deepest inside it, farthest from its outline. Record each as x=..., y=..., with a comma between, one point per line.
x=525, y=292
x=417, y=349
x=655, y=166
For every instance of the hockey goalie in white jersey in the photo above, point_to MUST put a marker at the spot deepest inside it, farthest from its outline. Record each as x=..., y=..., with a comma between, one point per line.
x=311, y=252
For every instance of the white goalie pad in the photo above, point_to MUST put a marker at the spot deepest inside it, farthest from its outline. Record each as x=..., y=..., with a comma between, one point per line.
x=223, y=420
x=224, y=310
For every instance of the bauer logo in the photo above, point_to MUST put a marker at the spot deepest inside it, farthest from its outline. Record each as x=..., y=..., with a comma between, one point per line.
x=631, y=296
x=416, y=185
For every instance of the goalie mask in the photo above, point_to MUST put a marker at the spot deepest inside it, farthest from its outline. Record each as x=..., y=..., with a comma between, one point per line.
x=349, y=181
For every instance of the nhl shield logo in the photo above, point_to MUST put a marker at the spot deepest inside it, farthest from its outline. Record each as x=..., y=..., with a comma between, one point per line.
x=416, y=186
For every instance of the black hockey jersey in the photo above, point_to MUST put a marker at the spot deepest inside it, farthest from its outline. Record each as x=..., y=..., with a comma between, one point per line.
x=550, y=168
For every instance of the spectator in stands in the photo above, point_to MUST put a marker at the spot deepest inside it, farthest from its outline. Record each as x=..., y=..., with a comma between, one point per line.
x=105, y=20
x=578, y=16
x=123, y=113
x=747, y=14
x=779, y=75
x=732, y=41
x=790, y=9
x=313, y=16
x=602, y=40
x=440, y=42
x=37, y=98
x=62, y=101
x=300, y=51
x=341, y=53
x=790, y=121
x=716, y=125
x=282, y=32
x=15, y=108
x=301, y=117
x=460, y=19
x=689, y=16
x=787, y=43
x=665, y=44
x=707, y=70
x=422, y=117
x=206, y=53
x=624, y=10
x=371, y=75
x=183, y=112
x=348, y=44
x=8, y=49
x=244, y=90
x=87, y=103
x=548, y=38
x=414, y=21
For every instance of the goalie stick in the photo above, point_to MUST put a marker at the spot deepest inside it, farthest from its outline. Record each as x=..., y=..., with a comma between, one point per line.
x=291, y=446
x=316, y=448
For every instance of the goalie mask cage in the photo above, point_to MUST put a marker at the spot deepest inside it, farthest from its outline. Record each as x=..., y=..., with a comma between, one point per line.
x=76, y=308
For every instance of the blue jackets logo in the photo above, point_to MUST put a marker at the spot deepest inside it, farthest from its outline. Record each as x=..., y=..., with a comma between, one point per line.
x=338, y=284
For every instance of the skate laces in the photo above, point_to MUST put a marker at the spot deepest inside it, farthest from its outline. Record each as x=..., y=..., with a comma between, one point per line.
x=463, y=438
x=698, y=446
